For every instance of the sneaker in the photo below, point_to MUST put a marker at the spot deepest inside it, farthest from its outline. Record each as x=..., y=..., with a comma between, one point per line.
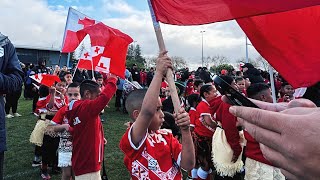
x=17, y=115
x=36, y=163
x=45, y=176
x=9, y=116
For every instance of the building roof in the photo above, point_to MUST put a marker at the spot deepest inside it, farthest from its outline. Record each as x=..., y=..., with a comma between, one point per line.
x=37, y=47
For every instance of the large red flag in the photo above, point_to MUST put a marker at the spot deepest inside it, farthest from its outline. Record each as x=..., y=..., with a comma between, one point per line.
x=289, y=41
x=108, y=48
x=75, y=22
x=196, y=12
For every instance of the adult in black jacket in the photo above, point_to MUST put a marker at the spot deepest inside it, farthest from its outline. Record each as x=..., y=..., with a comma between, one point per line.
x=11, y=80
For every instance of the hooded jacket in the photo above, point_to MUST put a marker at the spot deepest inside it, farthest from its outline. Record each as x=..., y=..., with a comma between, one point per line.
x=88, y=136
x=220, y=110
x=11, y=79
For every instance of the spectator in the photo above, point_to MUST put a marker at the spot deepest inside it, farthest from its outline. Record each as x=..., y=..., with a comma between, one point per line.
x=150, y=75
x=252, y=73
x=11, y=80
x=143, y=77
x=80, y=75
x=135, y=73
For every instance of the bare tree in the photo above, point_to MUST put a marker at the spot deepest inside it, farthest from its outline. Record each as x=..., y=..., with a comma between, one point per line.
x=219, y=60
x=263, y=63
x=151, y=62
x=178, y=62
x=251, y=61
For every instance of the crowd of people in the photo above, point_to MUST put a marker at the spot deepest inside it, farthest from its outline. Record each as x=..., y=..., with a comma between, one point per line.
x=159, y=142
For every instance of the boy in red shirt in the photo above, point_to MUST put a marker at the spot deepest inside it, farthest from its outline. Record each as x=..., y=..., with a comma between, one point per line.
x=257, y=167
x=61, y=125
x=151, y=153
x=286, y=92
x=198, y=83
x=88, y=136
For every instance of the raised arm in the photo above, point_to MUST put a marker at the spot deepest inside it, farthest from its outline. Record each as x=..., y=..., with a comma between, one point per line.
x=149, y=105
x=187, y=154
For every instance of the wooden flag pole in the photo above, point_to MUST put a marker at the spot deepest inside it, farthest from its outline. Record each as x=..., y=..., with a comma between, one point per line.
x=169, y=76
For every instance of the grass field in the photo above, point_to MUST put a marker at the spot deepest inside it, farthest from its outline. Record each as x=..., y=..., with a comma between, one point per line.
x=20, y=152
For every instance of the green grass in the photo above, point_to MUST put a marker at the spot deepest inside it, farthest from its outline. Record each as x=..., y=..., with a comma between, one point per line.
x=20, y=152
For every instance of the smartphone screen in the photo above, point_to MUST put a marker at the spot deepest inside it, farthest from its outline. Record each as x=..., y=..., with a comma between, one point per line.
x=232, y=94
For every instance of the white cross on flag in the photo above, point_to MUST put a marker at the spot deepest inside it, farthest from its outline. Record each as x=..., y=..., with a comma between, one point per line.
x=37, y=77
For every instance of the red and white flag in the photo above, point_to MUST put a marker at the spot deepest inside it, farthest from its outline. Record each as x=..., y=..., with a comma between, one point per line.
x=108, y=49
x=75, y=22
x=196, y=12
x=37, y=77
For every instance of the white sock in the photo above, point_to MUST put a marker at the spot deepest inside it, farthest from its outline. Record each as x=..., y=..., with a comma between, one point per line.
x=202, y=173
x=194, y=173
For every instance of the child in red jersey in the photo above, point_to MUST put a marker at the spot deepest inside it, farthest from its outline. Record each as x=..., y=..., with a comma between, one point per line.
x=193, y=101
x=88, y=136
x=54, y=101
x=152, y=153
x=203, y=132
x=198, y=83
x=286, y=92
x=61, y=125
x=257, y=167
x=43, y=93
x=241, y=85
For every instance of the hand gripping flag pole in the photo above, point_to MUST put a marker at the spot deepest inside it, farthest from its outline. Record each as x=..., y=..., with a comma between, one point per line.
x=169, y=75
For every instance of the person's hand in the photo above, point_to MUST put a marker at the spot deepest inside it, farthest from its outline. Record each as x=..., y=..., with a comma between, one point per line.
x=289, y=139
x=163, y=63
x=52, y=90
x=182, y=119
x=66, y=126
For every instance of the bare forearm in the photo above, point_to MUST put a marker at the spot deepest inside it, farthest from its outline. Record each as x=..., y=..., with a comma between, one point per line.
x=187, y=154
x=149, y=105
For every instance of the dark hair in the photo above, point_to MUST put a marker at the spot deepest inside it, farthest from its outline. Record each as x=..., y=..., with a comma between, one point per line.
x=285, y=83
x=134, y=100
x=239, y=79
x=66, y=72
x=169, y=123
x=227, y=79
x=89, y=85
x=43, y=91
x=73, y=85
x=238, y=73
x=255, y=89
x=197, y=82
x=204, y=89
x=193, y=100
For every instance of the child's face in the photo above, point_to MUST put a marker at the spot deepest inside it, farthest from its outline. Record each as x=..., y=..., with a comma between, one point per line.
x=158, y=118
x=167, y=92
x=73, y=93
x=211, y=94
x=199, y=87
x=61, y=87
x=241, y=85
x=100, y=81
x=288, y=89
x=68, y=78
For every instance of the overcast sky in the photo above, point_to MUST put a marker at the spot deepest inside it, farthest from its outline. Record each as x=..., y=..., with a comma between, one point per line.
x=42, y=23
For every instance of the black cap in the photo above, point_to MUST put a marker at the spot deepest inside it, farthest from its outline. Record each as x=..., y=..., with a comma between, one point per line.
x=247, y=65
